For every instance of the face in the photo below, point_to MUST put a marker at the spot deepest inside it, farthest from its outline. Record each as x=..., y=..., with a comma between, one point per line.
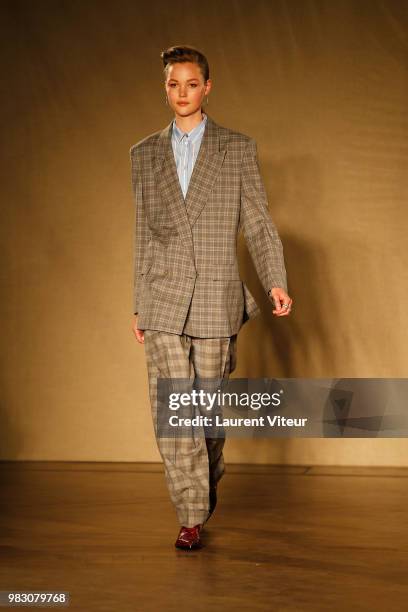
x=185, y=88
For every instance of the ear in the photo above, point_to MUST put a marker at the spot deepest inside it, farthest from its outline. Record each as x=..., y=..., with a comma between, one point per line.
x=208, y=86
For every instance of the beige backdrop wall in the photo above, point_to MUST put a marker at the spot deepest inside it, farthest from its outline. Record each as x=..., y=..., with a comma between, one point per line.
x=323, y=88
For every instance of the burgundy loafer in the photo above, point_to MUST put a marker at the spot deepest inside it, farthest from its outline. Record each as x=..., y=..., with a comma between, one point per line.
x=189, y=538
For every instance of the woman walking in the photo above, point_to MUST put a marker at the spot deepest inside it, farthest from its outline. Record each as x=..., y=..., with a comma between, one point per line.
x=196, y=185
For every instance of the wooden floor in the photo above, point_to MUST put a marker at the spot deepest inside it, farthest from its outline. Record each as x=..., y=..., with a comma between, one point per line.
x=281, y=539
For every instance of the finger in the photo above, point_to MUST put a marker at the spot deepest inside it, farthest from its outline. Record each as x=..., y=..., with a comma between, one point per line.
x=277, y=301
x=139, y=334
x=284, y=311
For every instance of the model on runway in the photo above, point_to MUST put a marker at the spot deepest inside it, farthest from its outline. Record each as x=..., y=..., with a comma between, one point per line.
x=196, y=185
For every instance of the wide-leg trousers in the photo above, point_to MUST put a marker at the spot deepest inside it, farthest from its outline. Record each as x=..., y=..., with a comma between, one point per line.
x=191, y=464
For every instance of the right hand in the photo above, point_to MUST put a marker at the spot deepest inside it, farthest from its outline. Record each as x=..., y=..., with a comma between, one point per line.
x=139, y=333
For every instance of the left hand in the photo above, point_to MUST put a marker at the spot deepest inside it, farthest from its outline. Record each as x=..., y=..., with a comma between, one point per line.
x=280, y=299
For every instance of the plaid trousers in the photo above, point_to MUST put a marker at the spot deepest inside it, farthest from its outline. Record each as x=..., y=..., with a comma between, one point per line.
x=191, y=464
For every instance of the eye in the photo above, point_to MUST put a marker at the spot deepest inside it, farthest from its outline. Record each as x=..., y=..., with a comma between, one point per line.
x=193, y=84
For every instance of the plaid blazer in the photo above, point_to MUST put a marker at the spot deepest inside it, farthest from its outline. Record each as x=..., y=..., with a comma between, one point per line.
x=186, y=277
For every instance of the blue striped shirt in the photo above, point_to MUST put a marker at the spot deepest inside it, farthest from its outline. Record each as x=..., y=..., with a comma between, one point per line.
x=186, y=146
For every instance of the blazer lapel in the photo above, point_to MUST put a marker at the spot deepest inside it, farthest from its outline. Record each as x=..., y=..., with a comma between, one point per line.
x=206, y=168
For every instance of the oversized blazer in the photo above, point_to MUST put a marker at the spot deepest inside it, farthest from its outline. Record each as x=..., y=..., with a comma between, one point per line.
x=186, y=277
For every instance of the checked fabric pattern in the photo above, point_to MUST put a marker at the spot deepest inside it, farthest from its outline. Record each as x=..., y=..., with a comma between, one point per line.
x=186, y=277
x=190, y=464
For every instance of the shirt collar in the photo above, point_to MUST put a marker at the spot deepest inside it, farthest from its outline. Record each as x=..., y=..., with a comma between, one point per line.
x=192, y=134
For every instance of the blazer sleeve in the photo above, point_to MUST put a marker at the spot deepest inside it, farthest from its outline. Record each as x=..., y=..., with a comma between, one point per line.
x=141, y=232
x=260, y=233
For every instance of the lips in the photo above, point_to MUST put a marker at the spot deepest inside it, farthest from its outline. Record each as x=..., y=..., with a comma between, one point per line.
x=182, y=103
